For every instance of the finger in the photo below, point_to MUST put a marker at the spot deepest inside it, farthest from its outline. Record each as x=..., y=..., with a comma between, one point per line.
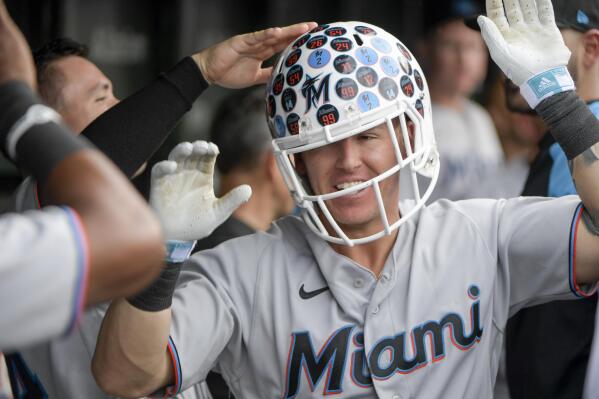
x=493, y=38
x=163, y=168
x=496, y=14
x=277, y=34
x=545, y=9
x=180, y=152
x=206, y=153
x=232, y=200
x=529, y=10
x=514, y=13
x=263, y=75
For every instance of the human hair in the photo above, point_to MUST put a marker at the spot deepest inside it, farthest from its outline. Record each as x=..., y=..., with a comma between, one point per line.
x=49, y=79
x=240, y=131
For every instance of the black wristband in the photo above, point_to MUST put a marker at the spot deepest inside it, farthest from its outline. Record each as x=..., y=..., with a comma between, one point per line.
x=159, y=295
x=29, y=133
x=571, y=122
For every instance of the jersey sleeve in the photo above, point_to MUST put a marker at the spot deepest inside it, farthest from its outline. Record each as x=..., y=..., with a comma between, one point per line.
x=536, y=249
x=212, y=310
x=43, y=275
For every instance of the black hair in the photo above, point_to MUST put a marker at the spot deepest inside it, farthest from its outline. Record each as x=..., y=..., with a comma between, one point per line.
x=54, y=50
x=240, y=131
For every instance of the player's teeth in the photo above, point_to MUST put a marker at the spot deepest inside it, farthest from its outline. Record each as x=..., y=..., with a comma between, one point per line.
x=344, y=186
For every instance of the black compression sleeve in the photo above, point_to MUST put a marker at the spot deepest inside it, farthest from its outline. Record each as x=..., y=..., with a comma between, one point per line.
x=133, y=130
x=571, y=122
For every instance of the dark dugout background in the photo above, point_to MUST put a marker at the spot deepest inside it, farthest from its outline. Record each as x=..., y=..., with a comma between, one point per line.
x=134, y=40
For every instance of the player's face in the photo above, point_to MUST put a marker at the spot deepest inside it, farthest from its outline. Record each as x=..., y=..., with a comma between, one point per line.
x=351, y=161
x=86, y=92
x=458, y=58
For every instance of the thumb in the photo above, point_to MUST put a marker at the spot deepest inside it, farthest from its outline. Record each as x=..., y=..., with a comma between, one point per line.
x=263, y=75
x=490, y=32
x=232, y=200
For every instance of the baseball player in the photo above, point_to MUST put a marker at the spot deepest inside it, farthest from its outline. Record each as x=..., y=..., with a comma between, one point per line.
x=128, y=133
x=64, y=257
x=362, y=297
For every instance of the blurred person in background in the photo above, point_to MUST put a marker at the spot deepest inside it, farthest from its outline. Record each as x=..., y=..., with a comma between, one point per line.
x=240, y=131
x=456, y=60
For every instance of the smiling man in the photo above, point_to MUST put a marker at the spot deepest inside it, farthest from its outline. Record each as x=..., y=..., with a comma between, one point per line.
x=417, y=298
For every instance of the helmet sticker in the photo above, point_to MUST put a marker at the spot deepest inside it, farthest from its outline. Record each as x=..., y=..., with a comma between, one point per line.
x=344, y=64
x=367, y=56
x=319, y=58
x=346, y=89
x=389, y=66
x=327, y=115
x=278, y=84
x=341, y=44
x=316, y=42
x=367, y=101
x=293, y=123
x=319, y=28
x=301, y=41
x=405, y=65
x=312, y=94
x=367, y=76
x=335, y=31
x=294, y=75
x=388, y=89
x=404, y=51
x=365, y=30
x=293, y=58
x=381, y=45
x=271, y=106
x=288, y=99
x=407, y=86
x=280, y=126
x=418, y=78
x=420, y=107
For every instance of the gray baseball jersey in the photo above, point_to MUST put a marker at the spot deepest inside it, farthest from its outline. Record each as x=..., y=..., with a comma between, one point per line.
x=42, y=289
x=281, y=314
x=62, y=366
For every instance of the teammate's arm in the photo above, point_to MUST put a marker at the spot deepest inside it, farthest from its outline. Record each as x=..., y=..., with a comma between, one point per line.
x=132, y=357
x=527, y=45
x=130, y=132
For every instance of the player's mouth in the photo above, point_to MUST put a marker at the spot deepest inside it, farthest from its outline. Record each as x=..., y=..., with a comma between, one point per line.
x=350, y=184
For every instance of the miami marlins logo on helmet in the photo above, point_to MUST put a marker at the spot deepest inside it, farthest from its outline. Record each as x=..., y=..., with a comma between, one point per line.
x=312, y=94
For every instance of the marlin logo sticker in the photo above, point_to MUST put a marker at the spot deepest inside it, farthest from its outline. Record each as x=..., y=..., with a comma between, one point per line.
x=313, y=94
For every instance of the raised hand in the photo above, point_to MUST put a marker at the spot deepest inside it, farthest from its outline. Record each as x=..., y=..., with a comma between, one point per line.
x=526, y=44
x=182, y=193
x=16, y=61
x=237, y=62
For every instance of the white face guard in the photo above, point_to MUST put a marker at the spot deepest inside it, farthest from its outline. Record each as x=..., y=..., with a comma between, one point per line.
x=371, y=76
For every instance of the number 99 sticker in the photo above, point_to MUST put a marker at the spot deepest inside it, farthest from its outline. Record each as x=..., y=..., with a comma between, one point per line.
x=346, y=89
x=327, y=115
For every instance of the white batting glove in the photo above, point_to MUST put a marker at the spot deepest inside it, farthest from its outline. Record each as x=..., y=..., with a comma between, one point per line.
x=182, y=193
x=528, y=47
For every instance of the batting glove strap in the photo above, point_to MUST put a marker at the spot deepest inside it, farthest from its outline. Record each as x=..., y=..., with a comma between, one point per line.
x=178, y=251
x=546, y=84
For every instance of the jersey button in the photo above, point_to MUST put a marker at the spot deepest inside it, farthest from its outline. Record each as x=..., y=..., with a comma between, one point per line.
x=395, y=396
x=385, y=277
x=359, y=283
x=375, y=310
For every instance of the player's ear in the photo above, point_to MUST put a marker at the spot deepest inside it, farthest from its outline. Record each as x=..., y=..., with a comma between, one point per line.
x=590, y=40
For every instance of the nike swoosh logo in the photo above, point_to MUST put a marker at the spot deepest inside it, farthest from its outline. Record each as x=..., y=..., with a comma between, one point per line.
x=311, y=294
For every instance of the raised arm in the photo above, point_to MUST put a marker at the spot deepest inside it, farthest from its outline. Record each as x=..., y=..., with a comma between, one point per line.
x=133, y=130
x=527, y=45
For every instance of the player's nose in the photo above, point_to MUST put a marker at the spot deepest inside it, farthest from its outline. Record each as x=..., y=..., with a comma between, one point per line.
x=348, y=154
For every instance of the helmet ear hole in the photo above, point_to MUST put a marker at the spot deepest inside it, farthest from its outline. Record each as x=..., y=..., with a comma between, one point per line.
x=358, y=39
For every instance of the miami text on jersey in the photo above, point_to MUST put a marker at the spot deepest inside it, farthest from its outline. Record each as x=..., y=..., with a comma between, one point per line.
x=332, y=357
